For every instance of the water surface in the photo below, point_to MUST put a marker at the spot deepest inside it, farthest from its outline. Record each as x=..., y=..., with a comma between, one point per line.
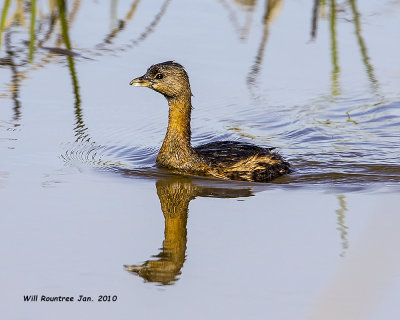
x=85, y=210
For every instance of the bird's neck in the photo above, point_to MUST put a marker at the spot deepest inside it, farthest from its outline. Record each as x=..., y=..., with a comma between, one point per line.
x=178, y=131
x=176, y=151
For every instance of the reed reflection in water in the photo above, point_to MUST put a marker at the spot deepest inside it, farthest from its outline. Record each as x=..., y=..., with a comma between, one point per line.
x=318, y=12
x=349, y=155
x=47, y=41
x=272, y=8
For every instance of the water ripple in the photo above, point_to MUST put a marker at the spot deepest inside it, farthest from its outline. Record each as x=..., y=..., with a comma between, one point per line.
x=325, y=146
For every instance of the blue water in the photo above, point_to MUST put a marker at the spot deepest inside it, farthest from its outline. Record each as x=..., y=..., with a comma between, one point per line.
x=83, y=202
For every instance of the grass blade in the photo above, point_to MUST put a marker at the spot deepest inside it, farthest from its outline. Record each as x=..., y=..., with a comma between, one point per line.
x=3, y=17
x=32, y=30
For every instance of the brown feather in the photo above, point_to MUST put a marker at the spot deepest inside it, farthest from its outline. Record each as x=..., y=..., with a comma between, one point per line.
x=222, y=159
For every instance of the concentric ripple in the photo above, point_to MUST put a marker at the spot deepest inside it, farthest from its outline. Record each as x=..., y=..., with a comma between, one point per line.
x=351, y=144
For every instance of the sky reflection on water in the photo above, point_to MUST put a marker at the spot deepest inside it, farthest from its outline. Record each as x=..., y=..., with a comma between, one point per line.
x=81, y=196
x=311, y=131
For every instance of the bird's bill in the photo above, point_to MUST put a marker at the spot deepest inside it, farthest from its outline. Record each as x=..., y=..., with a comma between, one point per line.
x=140, y=82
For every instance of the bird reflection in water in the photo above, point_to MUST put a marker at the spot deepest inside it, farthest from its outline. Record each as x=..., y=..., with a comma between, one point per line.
x=175, y=194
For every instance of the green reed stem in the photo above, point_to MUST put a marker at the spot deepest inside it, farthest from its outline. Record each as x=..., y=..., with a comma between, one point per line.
x=363, y=48
x=64, y=23
x=341, y=221
x=3, y=17
x=32, y=30
x=334, y=51
x=81, y=128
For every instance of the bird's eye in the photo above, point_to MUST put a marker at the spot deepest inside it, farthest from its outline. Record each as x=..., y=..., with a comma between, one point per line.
x=159, y=76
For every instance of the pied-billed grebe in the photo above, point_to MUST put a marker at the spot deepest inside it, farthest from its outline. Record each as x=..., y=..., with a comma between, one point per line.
x=222, y=159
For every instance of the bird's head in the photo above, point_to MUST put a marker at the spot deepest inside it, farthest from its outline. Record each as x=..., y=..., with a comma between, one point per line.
x=169, y=78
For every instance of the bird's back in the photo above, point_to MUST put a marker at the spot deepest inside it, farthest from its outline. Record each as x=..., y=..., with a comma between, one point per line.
x=242, y=161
